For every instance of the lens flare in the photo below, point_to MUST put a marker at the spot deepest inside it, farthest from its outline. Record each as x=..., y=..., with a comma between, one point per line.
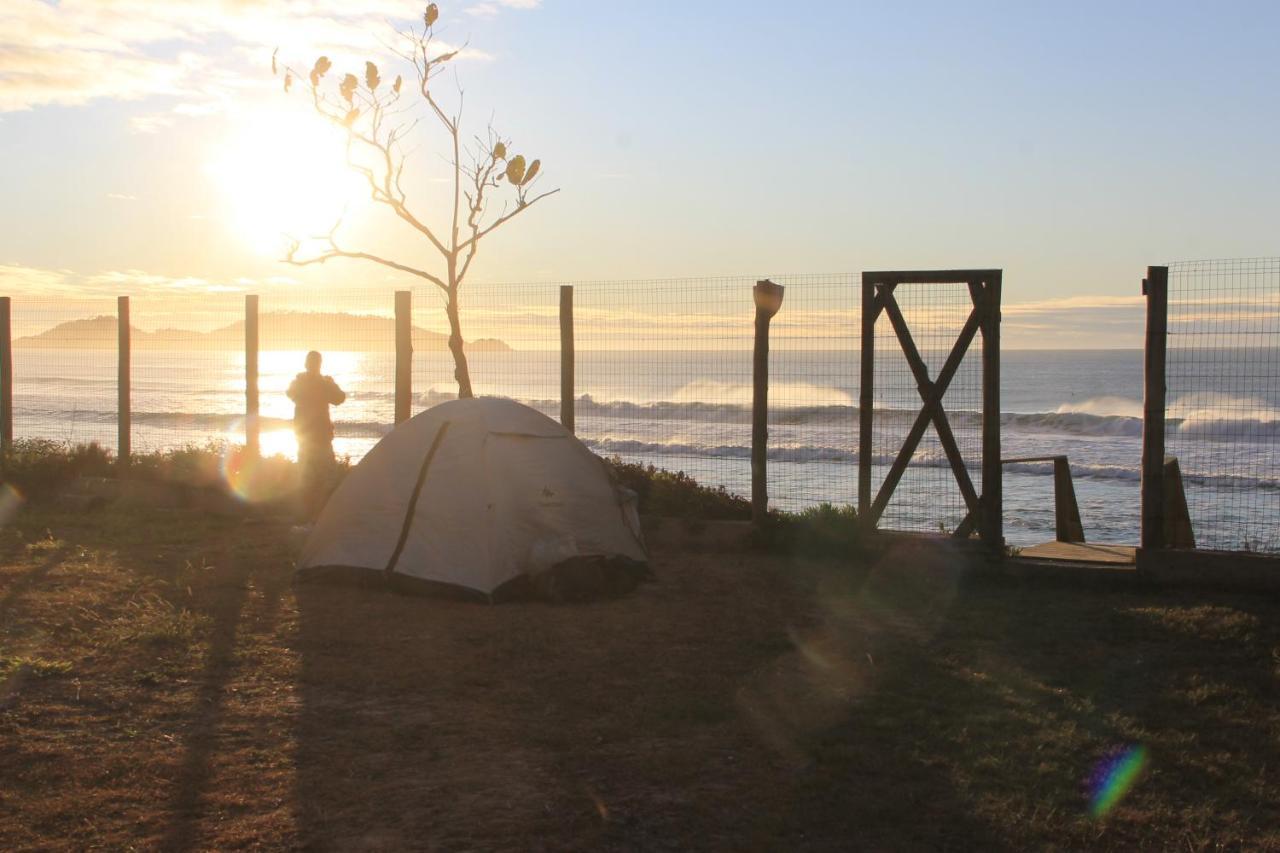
x=11, y=501
x=255, y=478
x=1113, y=778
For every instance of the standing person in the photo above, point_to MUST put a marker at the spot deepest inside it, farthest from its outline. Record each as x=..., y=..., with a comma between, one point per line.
x=312, y=394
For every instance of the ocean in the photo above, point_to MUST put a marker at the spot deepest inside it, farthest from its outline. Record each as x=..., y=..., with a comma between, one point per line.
x=690, y=411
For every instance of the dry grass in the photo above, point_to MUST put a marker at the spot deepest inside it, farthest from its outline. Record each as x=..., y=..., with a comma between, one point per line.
x=163, y=686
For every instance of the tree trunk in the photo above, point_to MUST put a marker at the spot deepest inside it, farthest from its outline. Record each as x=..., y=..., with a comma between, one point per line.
x=460, y=370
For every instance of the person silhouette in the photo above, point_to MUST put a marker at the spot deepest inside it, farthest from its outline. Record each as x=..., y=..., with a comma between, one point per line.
x=312, y=394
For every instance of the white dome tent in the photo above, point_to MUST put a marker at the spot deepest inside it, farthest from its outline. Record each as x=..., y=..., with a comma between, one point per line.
x=483, y=496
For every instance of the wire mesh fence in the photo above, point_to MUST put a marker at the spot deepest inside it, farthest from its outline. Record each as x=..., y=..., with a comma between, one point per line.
x=1222, y=416
x=663, y=375
x=813, y=391
x=187, y=371
x=927, y=498
x=64, y=370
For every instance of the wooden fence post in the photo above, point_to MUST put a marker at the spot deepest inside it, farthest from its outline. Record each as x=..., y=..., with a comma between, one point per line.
x=252, y=427
x=866, y=398
x=1156, y=288
x=404, y=355
x=566, y=357
x=6, y=376
x=768, y=299
x=992, y=529
x=124, y=423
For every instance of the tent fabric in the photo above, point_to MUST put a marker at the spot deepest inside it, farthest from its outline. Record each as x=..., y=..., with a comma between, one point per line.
x=507, y=493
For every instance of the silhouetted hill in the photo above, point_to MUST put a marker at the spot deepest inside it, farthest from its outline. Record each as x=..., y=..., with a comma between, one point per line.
x=276, y=331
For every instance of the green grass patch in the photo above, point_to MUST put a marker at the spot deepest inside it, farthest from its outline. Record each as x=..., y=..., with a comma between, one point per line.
x=35, y=666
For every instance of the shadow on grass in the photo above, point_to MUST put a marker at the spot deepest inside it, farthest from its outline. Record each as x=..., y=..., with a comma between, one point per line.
x=726, y=707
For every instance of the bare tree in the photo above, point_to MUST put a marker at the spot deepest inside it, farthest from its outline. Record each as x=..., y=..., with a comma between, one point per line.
x=377, y=122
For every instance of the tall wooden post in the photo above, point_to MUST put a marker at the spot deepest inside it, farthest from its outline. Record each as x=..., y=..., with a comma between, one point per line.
x=6, y=376
x=866, y=397
x=768, y=299
x=1156, y=288
x=404, y=355
x=566, y=357
x=123, y=358
x=992, y=529
x=251, y=424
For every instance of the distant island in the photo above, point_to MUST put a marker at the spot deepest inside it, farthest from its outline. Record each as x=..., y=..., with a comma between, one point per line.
x=285, y=330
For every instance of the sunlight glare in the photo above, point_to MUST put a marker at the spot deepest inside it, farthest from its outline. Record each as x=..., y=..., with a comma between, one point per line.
x=284, y=174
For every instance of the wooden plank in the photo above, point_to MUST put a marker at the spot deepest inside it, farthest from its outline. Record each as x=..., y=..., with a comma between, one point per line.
x=251, y=424
x=404, y=355
x=1177, y=519
x=928, y=276
x=991, y=524
x=1079, y=552
x=1232, y=569
x=6, y=375
x=123, y=358
x=1066, y=510
x=866, y=398
x=938, y=414
x=1156, y=289
x=567, y=358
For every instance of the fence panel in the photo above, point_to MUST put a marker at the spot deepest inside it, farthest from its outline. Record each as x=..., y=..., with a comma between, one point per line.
x=64, y=370
x=187, y=370
x=927, y=498
x=813, y=393
x=664, y=375
x=1222, y=416
x=513, y=344
x=355, y=333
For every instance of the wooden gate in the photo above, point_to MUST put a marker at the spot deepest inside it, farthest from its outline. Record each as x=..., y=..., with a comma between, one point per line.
x=983, y=509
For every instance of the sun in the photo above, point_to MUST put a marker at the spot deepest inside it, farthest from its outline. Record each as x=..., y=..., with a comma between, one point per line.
x=284, y=174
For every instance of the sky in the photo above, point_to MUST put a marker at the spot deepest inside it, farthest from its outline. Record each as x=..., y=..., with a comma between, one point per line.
x=146, y=148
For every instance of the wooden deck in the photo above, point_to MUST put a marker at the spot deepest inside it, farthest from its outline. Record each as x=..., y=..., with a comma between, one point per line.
x=1079, y=552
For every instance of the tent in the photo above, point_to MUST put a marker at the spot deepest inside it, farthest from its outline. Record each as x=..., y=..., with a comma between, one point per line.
x=483, y=495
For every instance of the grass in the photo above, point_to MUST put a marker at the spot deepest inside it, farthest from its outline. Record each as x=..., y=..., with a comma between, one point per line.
x=162, y=685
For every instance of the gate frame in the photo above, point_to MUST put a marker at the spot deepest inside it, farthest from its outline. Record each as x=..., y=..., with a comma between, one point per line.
x=985, y=508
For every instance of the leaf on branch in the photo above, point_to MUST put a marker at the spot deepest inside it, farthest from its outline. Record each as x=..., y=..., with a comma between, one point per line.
x=399, y=82
x=432, y=13
x=515, y=169
x=348, y=87
x=321, y=67
x=351, y=118
x=500, y=151
x=274, y=71
x=288, y=81
x=533, y=170
x=371, y=78
x=445, y=57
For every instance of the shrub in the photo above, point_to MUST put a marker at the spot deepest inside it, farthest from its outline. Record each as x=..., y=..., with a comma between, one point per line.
x=824, y=530
x=677, y=494
x=38, y=466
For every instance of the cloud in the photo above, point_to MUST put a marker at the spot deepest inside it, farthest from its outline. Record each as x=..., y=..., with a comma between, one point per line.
x=78, y=51
x=34, y=283
x=490, y=9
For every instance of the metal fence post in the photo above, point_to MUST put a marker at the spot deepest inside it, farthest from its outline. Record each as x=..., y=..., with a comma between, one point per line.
x=1156, y=288
x=6, y=376
x=768, y=299
x=404, y=355
x=566, y=357
x=251, y=423
x=123, y=413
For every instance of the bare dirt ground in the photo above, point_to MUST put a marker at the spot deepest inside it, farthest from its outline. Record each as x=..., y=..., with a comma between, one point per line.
x=163, y=686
